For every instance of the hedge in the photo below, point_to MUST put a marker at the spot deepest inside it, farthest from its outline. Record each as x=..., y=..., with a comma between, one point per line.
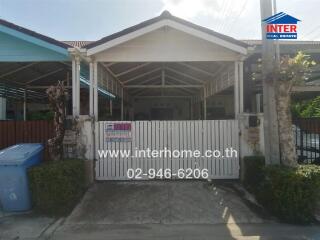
x=291, y=194
x=56, y=187
x=253, y=172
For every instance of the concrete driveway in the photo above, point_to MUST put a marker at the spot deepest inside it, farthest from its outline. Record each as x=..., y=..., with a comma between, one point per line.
x=166, y=202
x=170, y=210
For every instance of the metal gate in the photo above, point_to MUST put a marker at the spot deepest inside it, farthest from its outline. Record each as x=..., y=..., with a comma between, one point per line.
x=128, y=137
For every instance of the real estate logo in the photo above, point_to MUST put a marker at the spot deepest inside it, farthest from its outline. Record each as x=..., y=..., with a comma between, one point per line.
x=281, y=26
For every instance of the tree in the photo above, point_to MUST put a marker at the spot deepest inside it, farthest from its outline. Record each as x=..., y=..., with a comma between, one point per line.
x=291, y=71
x=57, y=98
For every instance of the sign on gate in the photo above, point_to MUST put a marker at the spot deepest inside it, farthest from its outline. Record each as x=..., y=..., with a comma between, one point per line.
x=118, y=132
x=125, y=150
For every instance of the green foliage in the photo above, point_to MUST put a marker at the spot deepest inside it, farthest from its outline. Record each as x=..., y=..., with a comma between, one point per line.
x=41, y=115
x=307, y=109
x=57, y=186
x=253, y=172
x=291, y=194
x=295, y=69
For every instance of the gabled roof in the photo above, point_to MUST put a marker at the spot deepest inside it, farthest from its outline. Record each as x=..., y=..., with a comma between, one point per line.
x=165, y=16
x=281, y=18
x=33, y=34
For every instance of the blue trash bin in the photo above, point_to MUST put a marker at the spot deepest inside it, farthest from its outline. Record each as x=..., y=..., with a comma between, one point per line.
x=14, y=187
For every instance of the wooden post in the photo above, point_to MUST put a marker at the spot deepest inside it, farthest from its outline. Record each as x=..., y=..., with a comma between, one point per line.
x=271, y=133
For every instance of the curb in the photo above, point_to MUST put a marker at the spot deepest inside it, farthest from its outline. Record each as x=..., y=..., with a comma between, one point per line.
x=49, y=231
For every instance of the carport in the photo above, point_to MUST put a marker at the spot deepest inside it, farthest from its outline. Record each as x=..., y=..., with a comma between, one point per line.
x=167, y=58
x=29, y=64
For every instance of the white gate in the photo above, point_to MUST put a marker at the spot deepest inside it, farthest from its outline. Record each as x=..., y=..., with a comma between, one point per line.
x=201, y=135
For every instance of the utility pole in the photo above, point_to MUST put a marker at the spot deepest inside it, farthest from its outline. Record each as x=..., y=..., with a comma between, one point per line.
x=271, y=131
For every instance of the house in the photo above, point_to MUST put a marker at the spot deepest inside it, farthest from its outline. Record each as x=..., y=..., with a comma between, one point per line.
x=165, y=68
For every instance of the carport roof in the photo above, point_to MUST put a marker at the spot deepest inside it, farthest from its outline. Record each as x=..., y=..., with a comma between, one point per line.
x=33, y=34
x=164, y=16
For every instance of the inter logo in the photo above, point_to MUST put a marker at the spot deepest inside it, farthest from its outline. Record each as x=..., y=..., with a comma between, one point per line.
x=281, y=26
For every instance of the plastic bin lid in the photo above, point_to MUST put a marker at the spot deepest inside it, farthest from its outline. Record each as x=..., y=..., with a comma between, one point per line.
x=19, y=154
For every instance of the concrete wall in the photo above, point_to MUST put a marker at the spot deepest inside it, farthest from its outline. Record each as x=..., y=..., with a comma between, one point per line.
x=252, y=137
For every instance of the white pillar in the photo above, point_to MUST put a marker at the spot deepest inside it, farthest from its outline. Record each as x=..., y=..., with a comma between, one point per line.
x=3, y=108
x=204, y=104
x=76, y=86
x=122, y=104
x=95, y=90
x=236, y=90
x=91, y=89
x=241, y=93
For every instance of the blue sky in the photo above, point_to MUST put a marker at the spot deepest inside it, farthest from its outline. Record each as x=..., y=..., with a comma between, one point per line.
x=93, y=19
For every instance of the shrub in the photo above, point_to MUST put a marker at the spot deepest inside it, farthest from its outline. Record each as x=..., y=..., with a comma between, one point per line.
x=57, y=186
x=291, y=194
x=253, y=172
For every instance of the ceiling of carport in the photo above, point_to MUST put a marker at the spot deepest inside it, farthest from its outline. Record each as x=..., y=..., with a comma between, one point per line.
x=176, y=73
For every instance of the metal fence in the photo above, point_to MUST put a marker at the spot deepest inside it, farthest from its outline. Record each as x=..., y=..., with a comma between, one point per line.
x=36, y=131
x=307, y=139
x=173, y=135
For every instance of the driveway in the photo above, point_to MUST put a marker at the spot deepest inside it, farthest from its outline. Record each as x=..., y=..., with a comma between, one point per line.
x=171, y=210
x=166, y=202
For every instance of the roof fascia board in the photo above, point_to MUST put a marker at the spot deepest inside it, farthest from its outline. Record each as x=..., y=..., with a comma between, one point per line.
x=33, y=40
x=170, y=23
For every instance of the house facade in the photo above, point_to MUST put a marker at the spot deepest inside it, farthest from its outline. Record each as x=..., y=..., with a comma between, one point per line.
x=176, y=84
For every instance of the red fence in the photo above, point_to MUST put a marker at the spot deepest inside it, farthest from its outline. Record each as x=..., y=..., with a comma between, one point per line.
x=37, y=131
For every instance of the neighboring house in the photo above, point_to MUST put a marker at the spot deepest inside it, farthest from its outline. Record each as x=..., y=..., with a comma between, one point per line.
x=165, y=68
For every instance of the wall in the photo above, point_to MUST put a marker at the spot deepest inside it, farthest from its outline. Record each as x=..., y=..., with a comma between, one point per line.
x=165, y=45
x=220, y=107
x=180, y=107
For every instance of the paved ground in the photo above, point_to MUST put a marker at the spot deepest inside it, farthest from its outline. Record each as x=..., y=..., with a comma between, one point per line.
x=22, y=226
x=155, y=210
x=170, y=210
x=166, y=202
x=255, y=231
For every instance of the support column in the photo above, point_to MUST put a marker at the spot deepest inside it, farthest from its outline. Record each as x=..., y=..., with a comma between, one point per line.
x=75, y=86
x=91, y=89
x=236, y=90
x=204, y=104
x=25, y=105
x=241, y=93
x=121, y=103
x=95, y=91
x=111, y=111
